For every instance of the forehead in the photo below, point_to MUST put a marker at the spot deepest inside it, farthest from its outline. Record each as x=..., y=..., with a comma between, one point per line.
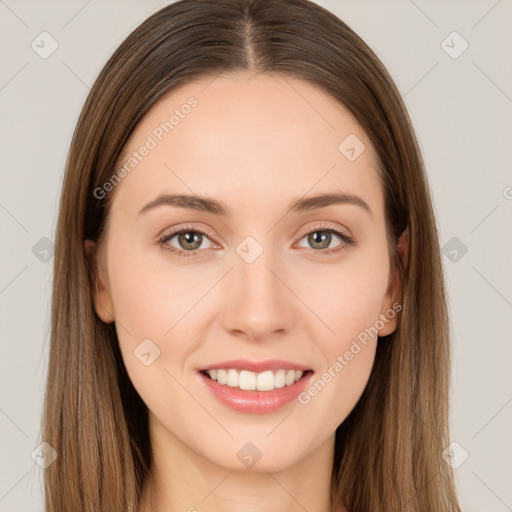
x=256, y=140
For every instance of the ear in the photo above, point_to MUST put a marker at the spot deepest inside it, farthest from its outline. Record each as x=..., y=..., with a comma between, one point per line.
x=391, y=304
x=101, y=295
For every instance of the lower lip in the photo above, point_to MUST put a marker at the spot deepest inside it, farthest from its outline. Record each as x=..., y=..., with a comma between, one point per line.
x=256, y=401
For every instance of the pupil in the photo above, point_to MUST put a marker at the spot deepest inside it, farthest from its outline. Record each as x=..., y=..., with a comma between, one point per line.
x=320, y=237
x=190, y=237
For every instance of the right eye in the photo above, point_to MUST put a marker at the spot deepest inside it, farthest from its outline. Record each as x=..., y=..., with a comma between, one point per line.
x=189, y=241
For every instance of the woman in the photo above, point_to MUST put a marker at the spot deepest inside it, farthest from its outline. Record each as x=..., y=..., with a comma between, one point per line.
x=249, y=308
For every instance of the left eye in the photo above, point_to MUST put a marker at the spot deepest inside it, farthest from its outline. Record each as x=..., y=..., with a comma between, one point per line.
x=322, y=238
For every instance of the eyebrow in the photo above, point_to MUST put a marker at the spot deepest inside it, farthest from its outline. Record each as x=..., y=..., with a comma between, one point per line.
x=210, y=205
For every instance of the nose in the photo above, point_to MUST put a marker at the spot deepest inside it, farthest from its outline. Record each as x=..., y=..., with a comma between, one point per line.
x=259, y=303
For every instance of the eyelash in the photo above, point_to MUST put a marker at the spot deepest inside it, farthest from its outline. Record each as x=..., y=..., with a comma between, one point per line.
x=187, y=254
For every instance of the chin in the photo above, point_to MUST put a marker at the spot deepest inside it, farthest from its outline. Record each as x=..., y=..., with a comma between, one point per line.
x=263, y=456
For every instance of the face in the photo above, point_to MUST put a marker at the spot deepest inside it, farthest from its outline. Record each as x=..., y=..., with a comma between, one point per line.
x=268, y=287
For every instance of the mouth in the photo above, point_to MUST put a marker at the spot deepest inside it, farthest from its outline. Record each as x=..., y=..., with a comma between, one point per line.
x=255, y=387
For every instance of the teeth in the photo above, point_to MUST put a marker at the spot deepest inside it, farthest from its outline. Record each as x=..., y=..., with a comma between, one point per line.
x=232, y=378
x=280, y=379
x=221, y=376
x=247, y=380
x=264, y=381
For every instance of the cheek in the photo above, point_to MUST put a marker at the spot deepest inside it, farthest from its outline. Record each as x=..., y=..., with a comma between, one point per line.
x=348, y=300
x=159, y=311
x=150, y=295
x=347, y=297
x=149, y=301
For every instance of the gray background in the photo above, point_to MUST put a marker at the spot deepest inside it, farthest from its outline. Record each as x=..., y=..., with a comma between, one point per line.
x=461, y=109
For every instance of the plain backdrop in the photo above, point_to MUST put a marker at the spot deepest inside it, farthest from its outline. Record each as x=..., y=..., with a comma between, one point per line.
x=451, y=62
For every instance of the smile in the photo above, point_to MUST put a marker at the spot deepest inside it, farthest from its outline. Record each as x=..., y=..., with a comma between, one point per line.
x=255, y=387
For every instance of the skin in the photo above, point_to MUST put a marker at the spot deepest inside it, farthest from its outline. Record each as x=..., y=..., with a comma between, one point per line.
x=255, y=142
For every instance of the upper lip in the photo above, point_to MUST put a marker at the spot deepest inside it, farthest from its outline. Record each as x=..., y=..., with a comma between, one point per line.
x=256, y=366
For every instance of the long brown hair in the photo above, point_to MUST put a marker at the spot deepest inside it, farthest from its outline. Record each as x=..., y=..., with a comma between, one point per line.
x=388, y=450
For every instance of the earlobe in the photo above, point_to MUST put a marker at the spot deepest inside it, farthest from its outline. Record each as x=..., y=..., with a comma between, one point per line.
x=101, y=296
x=393, y=298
